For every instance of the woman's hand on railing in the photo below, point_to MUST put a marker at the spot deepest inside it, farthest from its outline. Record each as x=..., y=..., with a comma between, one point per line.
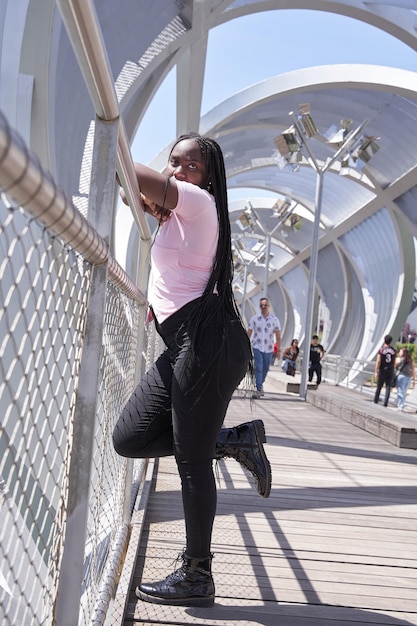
x=162, y=215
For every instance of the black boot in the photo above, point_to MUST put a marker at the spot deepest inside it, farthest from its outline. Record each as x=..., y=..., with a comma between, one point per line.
x=244, y=443
x=190, y=585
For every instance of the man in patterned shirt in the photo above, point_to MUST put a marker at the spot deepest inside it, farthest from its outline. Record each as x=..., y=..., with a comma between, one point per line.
x=261, y=329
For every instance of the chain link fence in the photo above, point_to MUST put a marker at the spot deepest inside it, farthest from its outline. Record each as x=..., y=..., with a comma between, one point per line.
x=45, y=295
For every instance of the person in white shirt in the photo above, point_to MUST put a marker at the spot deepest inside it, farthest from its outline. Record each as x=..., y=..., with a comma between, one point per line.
x=264, y=329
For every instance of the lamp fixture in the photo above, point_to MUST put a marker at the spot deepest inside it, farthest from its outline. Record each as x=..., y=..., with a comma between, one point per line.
x=288, y=150
x=336, y=136
x=284, y=210
x=295, y=157
x=361, y=153
x=245, y=221
x=294, y=221
x=353, y=150
x=287, y=142
x=307, y=124
x=258, y=247
x=281, y=207
x=261, y=260
x=237, y=262
x=368, y=148
x=249, y=219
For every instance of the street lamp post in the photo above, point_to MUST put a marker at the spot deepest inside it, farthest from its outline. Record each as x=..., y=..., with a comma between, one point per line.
x=320, y=169
x=268, y=236
x=266, y=273
x=311, y=283
x=246, y=265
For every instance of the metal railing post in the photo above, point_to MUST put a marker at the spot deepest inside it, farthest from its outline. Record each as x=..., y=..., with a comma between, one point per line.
x=100, y=214
x=83, y=28
x=312, y=282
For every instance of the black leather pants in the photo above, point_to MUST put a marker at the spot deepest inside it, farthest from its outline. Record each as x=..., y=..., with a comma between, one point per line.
x=179, y=407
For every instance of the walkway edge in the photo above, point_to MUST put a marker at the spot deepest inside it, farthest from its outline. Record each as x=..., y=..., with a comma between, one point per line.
x=123, y=588
x=391, y=428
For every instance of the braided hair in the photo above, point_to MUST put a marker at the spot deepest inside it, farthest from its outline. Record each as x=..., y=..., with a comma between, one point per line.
x=220, y=280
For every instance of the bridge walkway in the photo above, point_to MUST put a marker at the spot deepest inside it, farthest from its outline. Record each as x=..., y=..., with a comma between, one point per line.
x=335, y=543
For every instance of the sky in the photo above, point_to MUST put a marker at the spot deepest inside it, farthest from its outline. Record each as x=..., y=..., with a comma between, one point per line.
x=264, y=45
x=248, y=50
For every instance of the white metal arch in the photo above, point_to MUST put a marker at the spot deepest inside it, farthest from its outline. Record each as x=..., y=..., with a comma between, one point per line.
x=175, y=34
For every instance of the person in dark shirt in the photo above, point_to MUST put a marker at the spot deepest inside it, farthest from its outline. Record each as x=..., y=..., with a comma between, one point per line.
x=316, y=355
x=384, y=369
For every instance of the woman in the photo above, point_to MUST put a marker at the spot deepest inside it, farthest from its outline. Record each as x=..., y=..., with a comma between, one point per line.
x=179, y=406
x=290, y=357
x=406, y=373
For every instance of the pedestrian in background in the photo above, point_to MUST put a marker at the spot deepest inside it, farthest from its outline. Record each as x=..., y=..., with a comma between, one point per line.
x=264, y=329
x=406, y=373
x=316, y=355
x=384, y=369
x=289, y=357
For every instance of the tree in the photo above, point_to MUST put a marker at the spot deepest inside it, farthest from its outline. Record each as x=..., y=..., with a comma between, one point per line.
x=408, y=335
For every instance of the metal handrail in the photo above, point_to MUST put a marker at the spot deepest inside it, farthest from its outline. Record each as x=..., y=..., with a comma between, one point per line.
x=82, y=25
x=23, y=179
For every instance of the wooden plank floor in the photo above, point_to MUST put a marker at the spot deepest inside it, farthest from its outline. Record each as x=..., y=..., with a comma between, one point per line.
x=334, y=544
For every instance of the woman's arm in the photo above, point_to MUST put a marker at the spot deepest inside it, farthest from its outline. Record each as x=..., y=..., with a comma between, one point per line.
x=377, y=365
x=152, y=185
x=157, y=190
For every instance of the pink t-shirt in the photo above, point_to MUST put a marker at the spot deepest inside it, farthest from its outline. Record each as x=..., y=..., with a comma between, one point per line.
x=183, y=252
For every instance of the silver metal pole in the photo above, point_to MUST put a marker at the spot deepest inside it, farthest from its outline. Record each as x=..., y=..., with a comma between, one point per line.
x=312, y=284
x=245, y=288
x=320, y=171
x=266, y=274
x=79, y=476
x=83, y=28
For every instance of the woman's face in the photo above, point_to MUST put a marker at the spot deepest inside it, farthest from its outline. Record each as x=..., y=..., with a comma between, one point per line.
x=186, y=163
